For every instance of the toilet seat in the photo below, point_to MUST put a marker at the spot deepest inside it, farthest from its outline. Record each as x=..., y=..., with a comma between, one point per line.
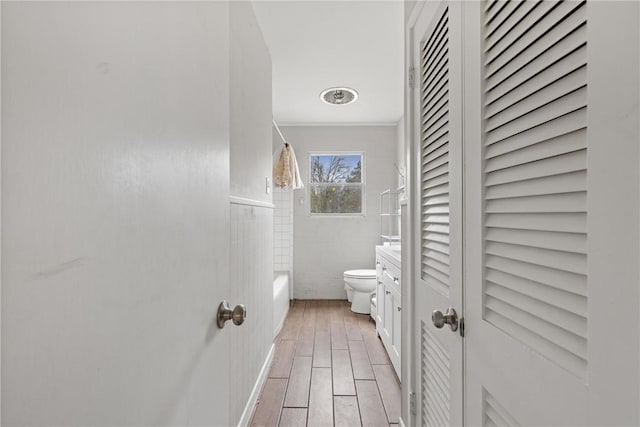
x=360, y=274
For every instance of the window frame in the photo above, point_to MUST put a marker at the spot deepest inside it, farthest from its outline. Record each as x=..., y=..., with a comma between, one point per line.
x=361, y=185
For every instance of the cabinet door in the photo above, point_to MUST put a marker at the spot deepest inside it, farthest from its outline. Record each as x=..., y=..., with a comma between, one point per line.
x=387, y=322
x=396, y=333
x=379, y=305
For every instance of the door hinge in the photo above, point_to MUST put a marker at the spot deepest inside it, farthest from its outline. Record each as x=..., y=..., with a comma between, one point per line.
x=412, y=77
x=412, y=403
x=462, y=327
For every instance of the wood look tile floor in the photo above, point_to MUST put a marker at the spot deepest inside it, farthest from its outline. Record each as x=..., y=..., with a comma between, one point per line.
x=329, y=369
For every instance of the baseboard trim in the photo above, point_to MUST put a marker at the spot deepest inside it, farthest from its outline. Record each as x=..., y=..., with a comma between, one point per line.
x=250, y=407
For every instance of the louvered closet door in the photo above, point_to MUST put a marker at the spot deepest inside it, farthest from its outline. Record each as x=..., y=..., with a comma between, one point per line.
x=438, y=202
x=551, y=251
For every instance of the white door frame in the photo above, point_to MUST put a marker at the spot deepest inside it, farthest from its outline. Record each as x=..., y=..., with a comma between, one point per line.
x=408, y=374
x=422, y=15
x=411, y=369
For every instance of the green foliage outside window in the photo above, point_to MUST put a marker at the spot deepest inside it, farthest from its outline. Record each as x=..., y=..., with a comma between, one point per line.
x=336, y=185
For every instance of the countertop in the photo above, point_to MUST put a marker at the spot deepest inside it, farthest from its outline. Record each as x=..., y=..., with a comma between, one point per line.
x=391, y=251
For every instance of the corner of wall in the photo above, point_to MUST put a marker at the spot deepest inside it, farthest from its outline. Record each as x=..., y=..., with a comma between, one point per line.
x=252, y=220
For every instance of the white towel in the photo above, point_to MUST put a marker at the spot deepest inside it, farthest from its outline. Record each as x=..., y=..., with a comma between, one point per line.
x=285, y=169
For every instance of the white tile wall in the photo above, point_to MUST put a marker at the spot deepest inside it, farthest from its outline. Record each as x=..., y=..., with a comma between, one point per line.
x=251, y=284
x=283, y=230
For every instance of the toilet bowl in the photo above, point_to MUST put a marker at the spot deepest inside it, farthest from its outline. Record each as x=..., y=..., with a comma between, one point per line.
x=349, y=291
x=363, y=283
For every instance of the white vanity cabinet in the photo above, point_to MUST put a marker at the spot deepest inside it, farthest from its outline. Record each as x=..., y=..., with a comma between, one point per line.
x=379, y=293
x=389, y=309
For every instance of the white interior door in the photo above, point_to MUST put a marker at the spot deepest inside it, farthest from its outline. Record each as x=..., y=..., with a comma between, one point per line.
x=115, y=213
x=437, y=119
x=551, y=149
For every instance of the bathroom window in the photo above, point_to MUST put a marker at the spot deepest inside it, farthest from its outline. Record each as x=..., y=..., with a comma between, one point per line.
x=336, y=184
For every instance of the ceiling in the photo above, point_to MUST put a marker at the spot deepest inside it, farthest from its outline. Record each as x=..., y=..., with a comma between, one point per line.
x=315, y=45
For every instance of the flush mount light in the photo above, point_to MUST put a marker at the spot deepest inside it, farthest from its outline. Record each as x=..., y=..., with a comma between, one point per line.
x=339, y=95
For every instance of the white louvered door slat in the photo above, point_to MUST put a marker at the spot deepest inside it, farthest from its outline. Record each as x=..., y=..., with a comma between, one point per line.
x=541, y=165
x=551, y=155
x=438, y=254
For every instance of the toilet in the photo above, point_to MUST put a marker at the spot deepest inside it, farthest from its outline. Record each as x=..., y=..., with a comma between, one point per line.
x=349, y=290
x=362, y=284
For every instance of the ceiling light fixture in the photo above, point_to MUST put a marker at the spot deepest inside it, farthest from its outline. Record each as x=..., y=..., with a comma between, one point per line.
x=339, y=95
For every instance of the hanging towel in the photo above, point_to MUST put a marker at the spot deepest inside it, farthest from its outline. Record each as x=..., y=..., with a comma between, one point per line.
x=285, y=169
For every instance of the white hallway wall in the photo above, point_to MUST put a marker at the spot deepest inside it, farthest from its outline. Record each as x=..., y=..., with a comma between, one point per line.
x=251, y=111
x=251, y=248
x=324, y=247
x=251, y=284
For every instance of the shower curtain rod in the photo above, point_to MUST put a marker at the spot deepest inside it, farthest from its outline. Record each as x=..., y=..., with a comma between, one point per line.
x=286, y=144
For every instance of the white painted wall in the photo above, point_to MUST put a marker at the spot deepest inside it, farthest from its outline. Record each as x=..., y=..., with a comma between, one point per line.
x=115, y=219
x=251, y=111
x=327, y=246
x=251, y=267
x=251, y=249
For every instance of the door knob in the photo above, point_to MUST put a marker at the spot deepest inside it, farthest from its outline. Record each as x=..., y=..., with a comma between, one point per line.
x=449, y=318
x=237, y=315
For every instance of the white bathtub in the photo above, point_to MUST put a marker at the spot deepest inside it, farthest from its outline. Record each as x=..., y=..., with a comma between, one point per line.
x=280, y=299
